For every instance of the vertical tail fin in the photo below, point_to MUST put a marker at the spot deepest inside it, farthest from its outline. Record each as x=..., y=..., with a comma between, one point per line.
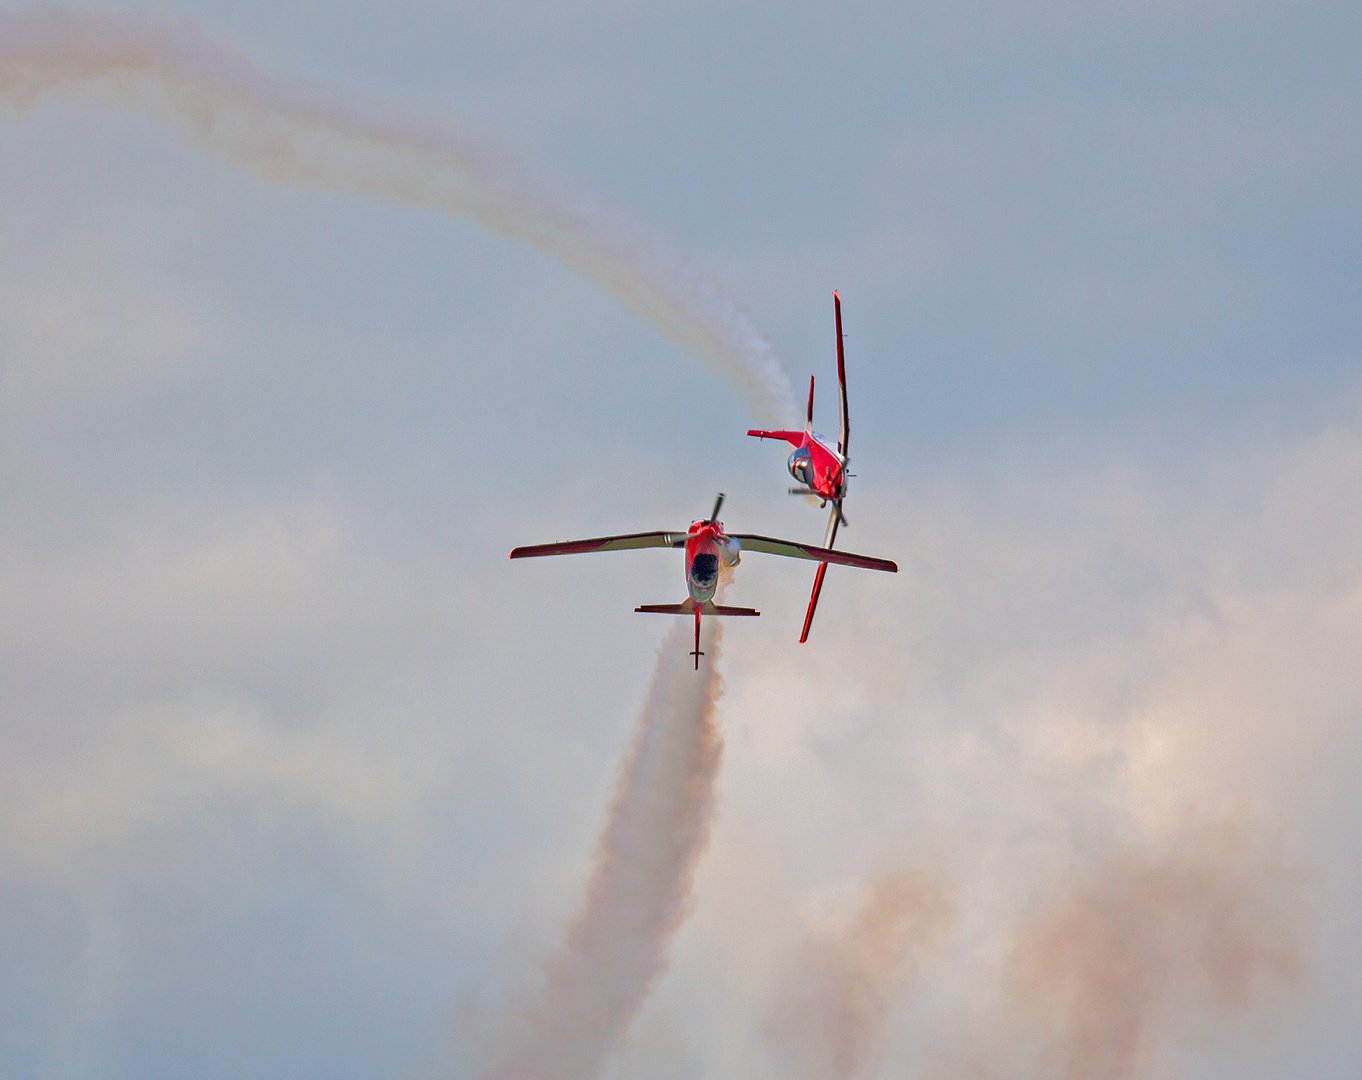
x=697, y=653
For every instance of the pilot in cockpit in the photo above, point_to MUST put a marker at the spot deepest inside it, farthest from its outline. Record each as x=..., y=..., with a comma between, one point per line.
x=704, y=570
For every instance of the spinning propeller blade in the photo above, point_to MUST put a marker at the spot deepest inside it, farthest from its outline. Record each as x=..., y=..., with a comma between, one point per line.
x=714, y=514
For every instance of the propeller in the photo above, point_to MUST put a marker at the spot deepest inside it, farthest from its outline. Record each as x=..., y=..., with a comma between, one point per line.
x=714, y=514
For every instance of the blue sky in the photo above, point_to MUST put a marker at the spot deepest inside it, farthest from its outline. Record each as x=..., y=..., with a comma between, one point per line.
x=302, y=777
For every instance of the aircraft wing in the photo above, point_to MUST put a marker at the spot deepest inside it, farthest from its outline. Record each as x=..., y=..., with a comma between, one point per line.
x=829, y=538
x=844, y=421
x=627, y=542
x=791, y=550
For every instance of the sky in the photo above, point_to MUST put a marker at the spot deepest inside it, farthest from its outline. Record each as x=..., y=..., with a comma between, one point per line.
x=301, y=777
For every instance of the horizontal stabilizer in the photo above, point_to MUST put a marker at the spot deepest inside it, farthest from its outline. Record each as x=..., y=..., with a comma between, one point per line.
x=687, y=607
x=712, y=608
x=794, y=438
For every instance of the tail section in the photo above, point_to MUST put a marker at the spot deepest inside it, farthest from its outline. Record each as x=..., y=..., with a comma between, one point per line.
x=709, y=607
x=688, y=607
x=794, y=438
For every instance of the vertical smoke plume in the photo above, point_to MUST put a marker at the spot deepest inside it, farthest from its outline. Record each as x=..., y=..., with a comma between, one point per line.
x=292, y=134
x=299, y=135
x=828, y=1024
x=658, y=825
x=1146, y=951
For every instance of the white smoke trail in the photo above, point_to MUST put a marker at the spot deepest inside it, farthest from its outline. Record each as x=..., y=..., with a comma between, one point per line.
x=658, y=825
x=827, y=1017
x=615, y=949
x=296, y=134
x=1206, y=930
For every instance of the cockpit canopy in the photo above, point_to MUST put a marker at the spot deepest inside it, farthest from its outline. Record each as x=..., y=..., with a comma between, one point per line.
x=704, y=570
x=801, y=467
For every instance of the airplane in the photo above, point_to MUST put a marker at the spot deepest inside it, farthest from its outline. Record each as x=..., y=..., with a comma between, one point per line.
x=707, y=546
x=819, y=467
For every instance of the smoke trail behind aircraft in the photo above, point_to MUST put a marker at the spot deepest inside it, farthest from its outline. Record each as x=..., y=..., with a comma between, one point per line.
x=297, y=134
x=615, y=948
x=827, y=1022
x=1146, y=951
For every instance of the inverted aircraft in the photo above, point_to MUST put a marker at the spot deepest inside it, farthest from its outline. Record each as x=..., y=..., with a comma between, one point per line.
x=819, y=468
x=707, y=547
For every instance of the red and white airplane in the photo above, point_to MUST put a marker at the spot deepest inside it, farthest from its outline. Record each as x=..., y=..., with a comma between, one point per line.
x=707, y=545
x=819, y=467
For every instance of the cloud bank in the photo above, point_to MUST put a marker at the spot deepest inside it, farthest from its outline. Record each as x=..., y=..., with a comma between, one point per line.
x=1077, y=653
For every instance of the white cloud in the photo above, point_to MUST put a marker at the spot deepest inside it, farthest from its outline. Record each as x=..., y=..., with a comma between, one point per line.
x=279, y=716
x=89, y=321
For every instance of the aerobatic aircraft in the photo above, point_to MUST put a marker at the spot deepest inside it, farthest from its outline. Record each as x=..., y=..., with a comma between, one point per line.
x=819, y=467
x=707, y=546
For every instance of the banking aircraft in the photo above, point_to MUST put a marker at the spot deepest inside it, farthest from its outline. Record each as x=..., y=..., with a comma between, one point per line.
x=821, y=469
x=707, y=545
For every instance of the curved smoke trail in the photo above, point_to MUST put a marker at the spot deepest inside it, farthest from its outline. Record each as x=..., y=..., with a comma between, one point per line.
x=296, y=134
x=615, y=949
x=658, y=825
